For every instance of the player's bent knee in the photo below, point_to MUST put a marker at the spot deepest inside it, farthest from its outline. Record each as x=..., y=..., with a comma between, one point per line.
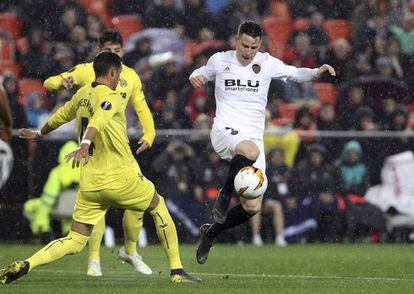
x=248, y=149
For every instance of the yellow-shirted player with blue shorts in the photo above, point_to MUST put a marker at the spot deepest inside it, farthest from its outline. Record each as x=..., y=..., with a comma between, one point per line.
x=109, y=174
x=130, y=88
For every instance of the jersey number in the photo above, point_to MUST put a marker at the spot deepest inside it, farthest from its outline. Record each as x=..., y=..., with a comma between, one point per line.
x=84, y=122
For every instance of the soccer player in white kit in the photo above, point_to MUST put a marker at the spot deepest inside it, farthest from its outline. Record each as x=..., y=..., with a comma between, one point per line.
x=242, y=79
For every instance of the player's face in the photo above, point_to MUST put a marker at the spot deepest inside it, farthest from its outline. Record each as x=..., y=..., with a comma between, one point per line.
x=112, y=47
x=246, y=48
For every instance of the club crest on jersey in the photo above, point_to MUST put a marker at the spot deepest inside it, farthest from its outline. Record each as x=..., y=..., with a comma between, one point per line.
x=256, y=68
x=123, y=83
x=106, y=105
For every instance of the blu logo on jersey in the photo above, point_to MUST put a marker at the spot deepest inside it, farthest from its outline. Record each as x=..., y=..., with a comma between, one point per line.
x=239, y=83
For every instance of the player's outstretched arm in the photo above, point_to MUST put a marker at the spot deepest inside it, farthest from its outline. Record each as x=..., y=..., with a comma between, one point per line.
x=77, y=76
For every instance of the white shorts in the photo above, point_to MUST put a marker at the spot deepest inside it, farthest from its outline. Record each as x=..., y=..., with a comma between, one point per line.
x=225, y=140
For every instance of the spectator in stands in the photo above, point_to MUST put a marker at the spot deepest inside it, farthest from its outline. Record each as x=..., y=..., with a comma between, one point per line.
x=64, y=58
x=11, y=88
x=327, y=121
x=277, y=174
x=244, y=10
x=312, y=174
x=398, y=122
x=299, y=92
x=383, y=67
x=80, y=47
x=177, y=165
x=196, y=17
x=405, y=34
x=94, y=28
x=176, y=162
x=388, y=107
x=289, y=142
x=375, y=33
x=199, y=103
x=209, y=174
x=352, y=174
x=304, y=121
x=72, y=15
x=36, y=110
x=301, y=55
x=168, y=78
x=317, y=35
x=393, y=52
x=168, y=118
x=348, y=106
x=35, y=63
x=340, y=56
x=142, y=50
x=361, y=66
x=373, y=148
x=162, y=15
x=360, y=14
x=206, y=40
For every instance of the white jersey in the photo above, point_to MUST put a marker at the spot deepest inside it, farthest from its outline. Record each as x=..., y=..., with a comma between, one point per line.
x=241, y=90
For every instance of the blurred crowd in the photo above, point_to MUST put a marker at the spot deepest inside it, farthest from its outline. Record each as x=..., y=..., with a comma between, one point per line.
x=372, y=90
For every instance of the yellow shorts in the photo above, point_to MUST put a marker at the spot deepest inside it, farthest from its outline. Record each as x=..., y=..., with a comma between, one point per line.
x=91, y=206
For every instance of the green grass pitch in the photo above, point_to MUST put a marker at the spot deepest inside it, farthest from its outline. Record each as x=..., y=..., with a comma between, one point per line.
x=230, y=269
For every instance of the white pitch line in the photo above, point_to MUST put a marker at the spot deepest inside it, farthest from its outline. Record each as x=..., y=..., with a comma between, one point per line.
x=229, y=275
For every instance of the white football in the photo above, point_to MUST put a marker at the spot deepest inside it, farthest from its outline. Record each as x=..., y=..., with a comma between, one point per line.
x=250, y=182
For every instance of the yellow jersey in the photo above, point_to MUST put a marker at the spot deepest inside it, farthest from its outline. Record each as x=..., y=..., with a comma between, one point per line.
x=129, y=87
x=96, y=105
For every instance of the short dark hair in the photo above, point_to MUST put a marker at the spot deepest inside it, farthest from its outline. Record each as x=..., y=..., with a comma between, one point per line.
x=110, y=35
x=104, y=61
x=250, y=28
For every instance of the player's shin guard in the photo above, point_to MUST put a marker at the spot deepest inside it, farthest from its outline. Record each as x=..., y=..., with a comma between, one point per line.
x=72, y=243
x=132, y=224
x=236, y=216
x=224, y=196
x=167, y=233
x=95, y=240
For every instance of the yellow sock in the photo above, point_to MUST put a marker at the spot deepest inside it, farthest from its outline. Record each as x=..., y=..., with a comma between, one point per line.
x=95, y=240
x=72, y=243
x=167, y=233
x=132, y=224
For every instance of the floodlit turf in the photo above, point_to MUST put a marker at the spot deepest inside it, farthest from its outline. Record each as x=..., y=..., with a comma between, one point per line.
x=231, y=269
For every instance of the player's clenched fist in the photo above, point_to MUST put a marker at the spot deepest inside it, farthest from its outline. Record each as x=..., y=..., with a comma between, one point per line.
x=326, y=68
x=197, y=81
x=67, y=82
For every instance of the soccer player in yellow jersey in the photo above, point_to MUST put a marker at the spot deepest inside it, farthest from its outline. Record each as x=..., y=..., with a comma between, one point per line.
x=129, y=87
x=109, y=174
